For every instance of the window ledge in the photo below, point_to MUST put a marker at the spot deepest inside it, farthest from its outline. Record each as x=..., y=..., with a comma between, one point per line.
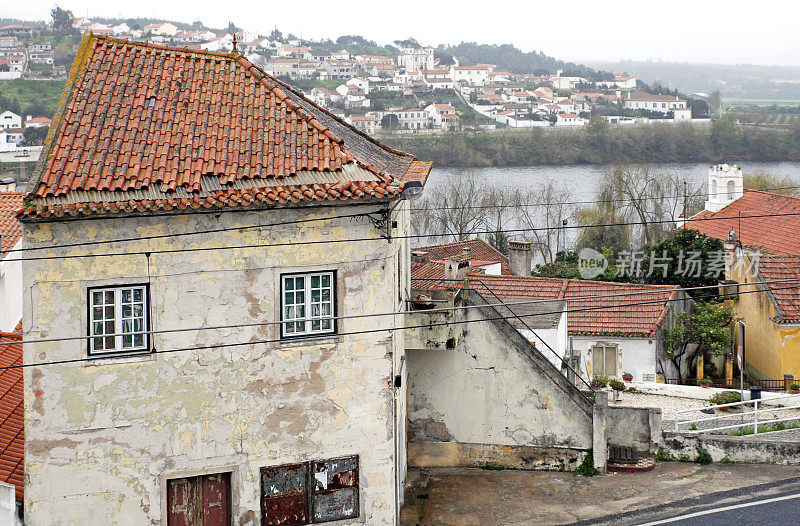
x=311, y=339
x=114, y=359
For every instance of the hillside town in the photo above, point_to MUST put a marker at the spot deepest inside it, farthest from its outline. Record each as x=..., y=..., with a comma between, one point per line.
x=411, y=91
x=230, y=295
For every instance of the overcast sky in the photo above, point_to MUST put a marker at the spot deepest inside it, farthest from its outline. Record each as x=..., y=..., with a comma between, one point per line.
x=730, y=32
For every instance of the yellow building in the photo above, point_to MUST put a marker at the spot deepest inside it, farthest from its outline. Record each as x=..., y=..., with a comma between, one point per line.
x=772, y=316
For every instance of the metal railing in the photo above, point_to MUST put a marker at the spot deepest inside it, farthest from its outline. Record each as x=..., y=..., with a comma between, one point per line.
x=754, y=413
x=724, y=383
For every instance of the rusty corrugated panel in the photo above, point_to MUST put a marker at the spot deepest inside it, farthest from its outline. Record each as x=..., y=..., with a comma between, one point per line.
x=284, y=495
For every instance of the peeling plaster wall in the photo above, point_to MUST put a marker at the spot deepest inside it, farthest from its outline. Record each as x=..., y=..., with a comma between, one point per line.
x=490, y=389
x=102, y=437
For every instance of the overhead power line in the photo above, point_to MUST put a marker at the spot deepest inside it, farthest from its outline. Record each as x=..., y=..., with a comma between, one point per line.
x=363, y=214
x=389, y=329
x=406, y=236
x=676, y=197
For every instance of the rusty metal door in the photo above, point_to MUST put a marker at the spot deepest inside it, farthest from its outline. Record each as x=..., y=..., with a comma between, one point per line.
x=284, y=495
x=310, y=492
x=199, y=501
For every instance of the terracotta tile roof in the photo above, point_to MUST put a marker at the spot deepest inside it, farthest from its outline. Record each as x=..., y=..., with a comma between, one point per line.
x=144, y=116
x=610, y=315
x=778, y=235
x=479, y=249
x=10, y=228
x=785, y=299
x=12, y=413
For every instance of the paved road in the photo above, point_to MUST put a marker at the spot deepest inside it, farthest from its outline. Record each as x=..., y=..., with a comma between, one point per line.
x=773, y=504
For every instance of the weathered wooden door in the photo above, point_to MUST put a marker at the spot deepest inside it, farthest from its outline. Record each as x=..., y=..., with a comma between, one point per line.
x=199, y=501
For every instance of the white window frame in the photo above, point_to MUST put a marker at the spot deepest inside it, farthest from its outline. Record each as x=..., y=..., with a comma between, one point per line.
x=118, y=333
x=307, y=318
x=605, y=347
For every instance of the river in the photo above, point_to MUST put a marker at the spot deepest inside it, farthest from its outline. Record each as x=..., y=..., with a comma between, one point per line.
x=583, y=179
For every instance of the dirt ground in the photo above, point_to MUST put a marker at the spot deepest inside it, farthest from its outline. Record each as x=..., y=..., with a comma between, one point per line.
x=460, y=496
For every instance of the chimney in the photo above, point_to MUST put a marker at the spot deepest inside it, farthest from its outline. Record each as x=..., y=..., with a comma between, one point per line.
x=419, y=256
x=8, y=184
x=519, y=257
x=457, y=267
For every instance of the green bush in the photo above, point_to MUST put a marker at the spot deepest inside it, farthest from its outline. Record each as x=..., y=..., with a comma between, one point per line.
x=587, y=468
x=693, y=427
x=726, y=460
x=492, y=467
x=599, y=381
x=663, y=456
x=703, y=457
x=684, y=458
x=725, y=397
x=616, y=385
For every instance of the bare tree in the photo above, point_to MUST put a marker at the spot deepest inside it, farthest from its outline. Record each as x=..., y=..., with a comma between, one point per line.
x=543, y=211
x=460, y=207
x=651, y=200
x=450, y=209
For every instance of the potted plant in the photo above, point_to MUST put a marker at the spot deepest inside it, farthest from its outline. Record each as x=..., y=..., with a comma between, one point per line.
x=794, y=389
x=705, y=383
x=725, y=397
x=628, y=377
x=616, y=385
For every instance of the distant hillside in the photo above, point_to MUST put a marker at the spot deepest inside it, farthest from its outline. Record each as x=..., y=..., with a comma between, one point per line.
x=740, y=82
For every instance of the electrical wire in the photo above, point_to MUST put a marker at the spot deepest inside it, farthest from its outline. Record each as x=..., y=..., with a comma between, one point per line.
x=364, y=214
x=598, y=201
x=406, y=236
x=388, y=329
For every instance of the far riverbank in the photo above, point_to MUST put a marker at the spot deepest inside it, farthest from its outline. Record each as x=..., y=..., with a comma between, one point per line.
x=724, y=141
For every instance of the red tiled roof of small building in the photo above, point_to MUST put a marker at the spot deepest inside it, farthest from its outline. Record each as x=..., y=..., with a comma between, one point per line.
x=10, y=227
x=12, y=412
x=478, y=248
x=614, y=309
x=777, y=234
x=146, y=117
x=785, y=299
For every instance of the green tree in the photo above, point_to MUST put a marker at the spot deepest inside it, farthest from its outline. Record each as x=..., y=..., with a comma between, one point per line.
x=62, y=19
x=703, y=330
x=686, y=258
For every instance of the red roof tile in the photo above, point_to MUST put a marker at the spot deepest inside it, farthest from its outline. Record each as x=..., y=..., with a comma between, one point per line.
x=779, y=235
x=479, y=249
x=12, y=413
x=140, y=115
x=785, y=299
x=609, y=314
x=10, y=228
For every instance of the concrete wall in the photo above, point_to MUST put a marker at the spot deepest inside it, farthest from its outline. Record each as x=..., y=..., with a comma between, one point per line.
x=490, y=391
x=105, y=435
x=639, y=428
x=11, y=290
x=746, y=449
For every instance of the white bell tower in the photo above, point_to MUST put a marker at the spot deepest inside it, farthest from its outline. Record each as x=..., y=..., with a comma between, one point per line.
x=725, y=185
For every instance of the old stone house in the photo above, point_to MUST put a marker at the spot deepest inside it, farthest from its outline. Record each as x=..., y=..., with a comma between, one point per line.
x=203, y=241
